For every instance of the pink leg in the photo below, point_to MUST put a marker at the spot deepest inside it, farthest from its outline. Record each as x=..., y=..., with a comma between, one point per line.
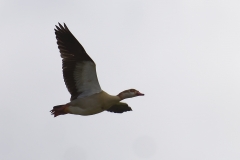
x=59, y=110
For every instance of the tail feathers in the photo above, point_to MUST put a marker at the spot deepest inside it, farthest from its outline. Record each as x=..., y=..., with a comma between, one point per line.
x=59, y=110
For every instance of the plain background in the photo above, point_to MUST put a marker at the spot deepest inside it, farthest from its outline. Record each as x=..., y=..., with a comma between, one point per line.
x=183, y=54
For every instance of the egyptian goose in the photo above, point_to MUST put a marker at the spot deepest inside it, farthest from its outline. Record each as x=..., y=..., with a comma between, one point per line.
x=79, y=73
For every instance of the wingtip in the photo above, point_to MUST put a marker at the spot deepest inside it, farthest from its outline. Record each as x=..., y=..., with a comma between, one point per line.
x=65, y=26
x=58, y=25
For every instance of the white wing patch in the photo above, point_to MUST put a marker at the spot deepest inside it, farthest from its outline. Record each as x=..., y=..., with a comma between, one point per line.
x=86, y=79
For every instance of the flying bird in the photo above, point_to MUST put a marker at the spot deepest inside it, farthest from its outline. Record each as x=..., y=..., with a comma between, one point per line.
x=80, y=77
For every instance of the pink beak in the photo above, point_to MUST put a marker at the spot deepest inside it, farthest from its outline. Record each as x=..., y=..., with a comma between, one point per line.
x=139, y=94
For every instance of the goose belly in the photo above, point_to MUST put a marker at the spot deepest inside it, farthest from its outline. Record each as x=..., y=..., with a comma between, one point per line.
x=87, y=107
x=85, y=111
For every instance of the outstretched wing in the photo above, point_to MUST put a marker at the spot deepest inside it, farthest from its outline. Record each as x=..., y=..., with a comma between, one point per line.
x=79, y=70
x=120, y=108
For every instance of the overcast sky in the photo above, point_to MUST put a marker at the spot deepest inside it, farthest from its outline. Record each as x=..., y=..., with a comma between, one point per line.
x=183, y=54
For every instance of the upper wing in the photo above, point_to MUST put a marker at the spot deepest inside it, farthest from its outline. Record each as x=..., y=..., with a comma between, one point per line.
x=79, y=70
x=120, y=108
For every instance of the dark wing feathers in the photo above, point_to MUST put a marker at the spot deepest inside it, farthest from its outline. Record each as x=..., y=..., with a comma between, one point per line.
x=120, y=108
x=72, y=53
x=69, y=46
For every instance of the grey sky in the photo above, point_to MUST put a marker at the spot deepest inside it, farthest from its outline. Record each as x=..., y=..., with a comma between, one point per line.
x=184, y=55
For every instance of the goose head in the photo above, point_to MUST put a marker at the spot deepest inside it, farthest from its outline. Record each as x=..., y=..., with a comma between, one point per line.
x=129, y=94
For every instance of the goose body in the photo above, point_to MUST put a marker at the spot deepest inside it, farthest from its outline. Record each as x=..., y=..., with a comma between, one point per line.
x=80, y=77
x=93, y=104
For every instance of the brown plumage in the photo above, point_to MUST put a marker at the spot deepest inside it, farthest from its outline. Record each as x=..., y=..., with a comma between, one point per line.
x=80, y=77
